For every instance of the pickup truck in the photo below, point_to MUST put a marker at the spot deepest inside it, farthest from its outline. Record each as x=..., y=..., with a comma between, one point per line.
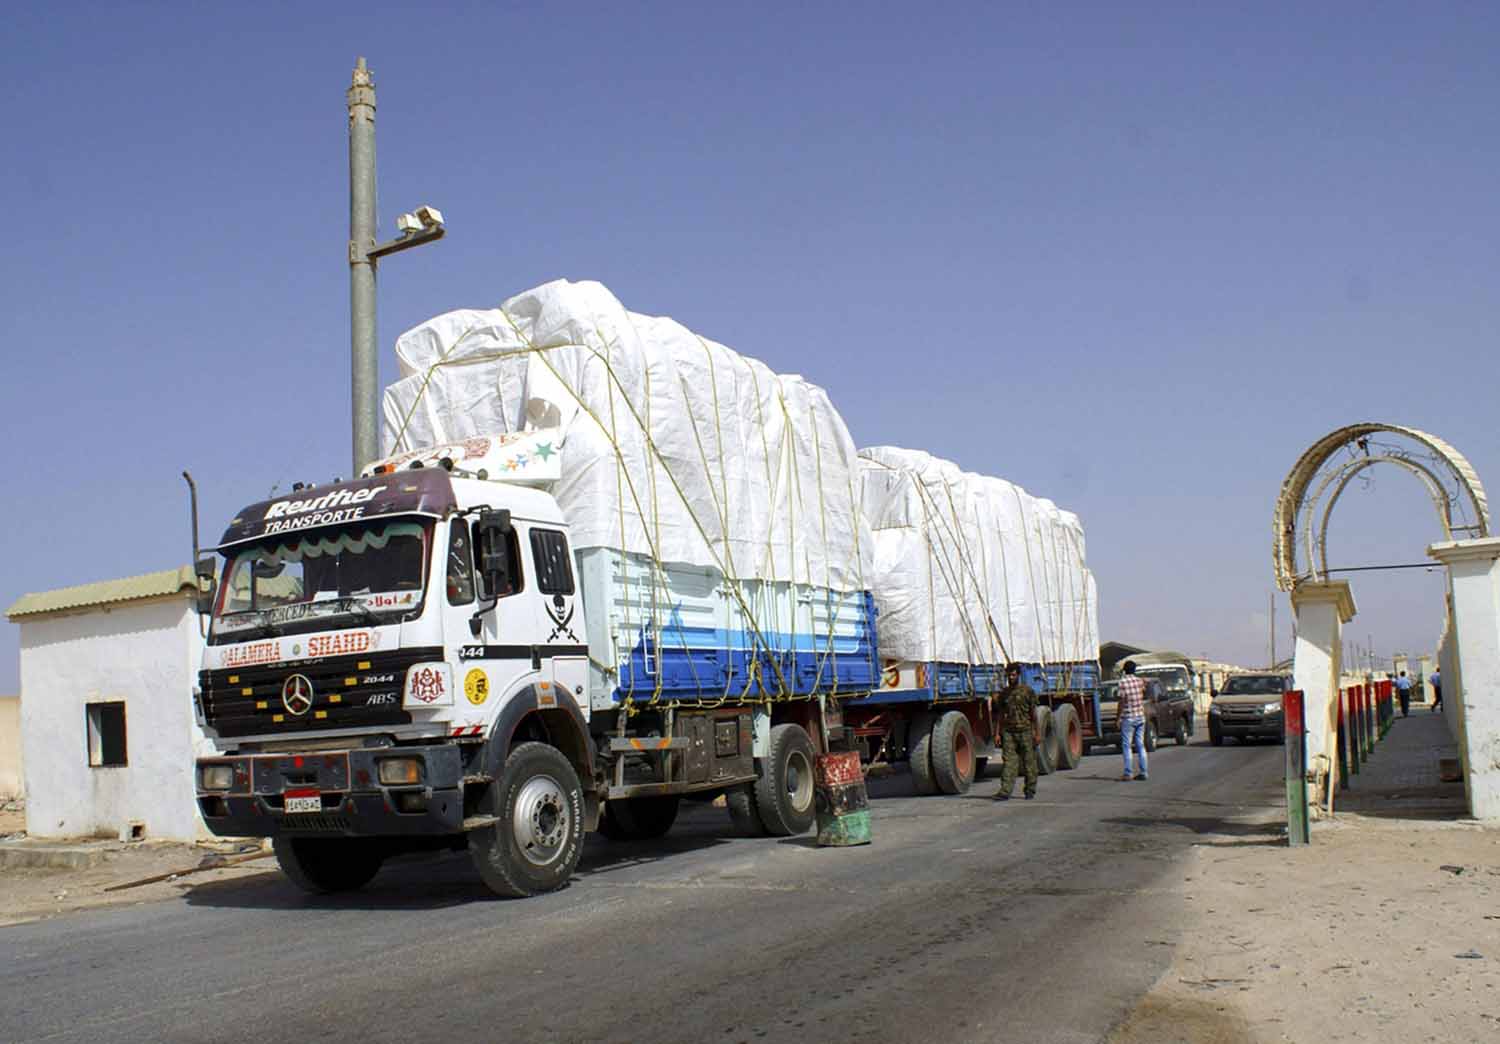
x=1168, y=713
x=1248, y=707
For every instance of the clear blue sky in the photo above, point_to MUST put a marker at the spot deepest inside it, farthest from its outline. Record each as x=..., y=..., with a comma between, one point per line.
x=1133, y=257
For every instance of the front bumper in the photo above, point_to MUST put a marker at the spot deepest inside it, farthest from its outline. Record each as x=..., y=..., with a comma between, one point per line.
x=1268, y=726
x=351, y=800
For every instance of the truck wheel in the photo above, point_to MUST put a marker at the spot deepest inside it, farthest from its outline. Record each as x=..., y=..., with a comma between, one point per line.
x=742, y=811
x=784, y=791
x=1069, y=735
x=328, y=864
x=536, y=843
x=638, y=819
x=953, y=753
x=1182, y=732
x=1215, y=736
x=1046, y=750
x=919, y=753
x=1150, y=736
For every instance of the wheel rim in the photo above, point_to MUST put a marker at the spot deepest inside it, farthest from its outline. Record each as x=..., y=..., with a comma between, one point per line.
x=1075, y=739
x=799, y=780
x=540, y=821
x=963, y=754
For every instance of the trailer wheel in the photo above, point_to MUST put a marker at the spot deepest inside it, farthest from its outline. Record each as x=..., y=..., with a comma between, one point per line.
x=535, y=845
x=1069, y=735
x=328, y=864
x=742, y=811
x=953, y=753
x=784, y=791
x=638, y=819
x=1150, y=736
x=1046, y=749
x=919, y=753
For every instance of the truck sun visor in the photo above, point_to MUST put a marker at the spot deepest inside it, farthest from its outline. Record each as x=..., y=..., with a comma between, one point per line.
x=398, y=493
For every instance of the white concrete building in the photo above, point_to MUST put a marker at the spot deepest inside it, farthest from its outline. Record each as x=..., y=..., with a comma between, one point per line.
x=10, y=747
x=107, y=730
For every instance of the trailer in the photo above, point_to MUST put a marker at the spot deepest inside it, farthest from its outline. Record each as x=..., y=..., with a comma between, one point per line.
x=972, y=574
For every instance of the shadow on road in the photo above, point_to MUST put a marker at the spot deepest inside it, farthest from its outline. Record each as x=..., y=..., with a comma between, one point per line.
x=1208, y=826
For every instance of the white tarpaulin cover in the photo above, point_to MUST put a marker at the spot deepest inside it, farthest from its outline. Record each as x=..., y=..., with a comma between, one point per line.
x=672, y=445
x=972, y=569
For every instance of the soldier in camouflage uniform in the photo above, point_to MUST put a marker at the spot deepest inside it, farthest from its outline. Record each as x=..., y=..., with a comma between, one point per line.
x=1016, y=714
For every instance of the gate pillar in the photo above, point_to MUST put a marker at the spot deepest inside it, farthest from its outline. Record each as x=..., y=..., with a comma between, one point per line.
x=1322, y=608
x=1474, y=639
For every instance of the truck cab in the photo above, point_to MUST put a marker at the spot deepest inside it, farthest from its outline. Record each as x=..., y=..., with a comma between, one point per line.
x=377, y=650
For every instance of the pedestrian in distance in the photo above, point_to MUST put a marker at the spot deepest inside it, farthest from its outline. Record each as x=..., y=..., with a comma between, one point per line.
x=1437, y=689
x=1403, y=690
x=1131, y=712
x=1018, y=737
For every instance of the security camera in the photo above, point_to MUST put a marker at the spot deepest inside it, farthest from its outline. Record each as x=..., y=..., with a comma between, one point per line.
x=409, y=223
x=431, y=217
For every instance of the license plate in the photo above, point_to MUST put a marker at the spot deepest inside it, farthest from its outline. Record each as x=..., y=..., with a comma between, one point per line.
x=304, y=804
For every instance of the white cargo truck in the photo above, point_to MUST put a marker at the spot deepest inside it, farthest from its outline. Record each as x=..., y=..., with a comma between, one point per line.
x=646, y=588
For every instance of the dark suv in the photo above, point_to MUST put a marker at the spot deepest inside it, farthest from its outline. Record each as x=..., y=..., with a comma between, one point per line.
x=1166, y=715
x=1248, y=707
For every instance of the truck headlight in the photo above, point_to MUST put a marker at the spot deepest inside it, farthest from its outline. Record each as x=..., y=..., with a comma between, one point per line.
x=1213, y=710
x=1272, y=706
x=396, y=772
x=216, y=777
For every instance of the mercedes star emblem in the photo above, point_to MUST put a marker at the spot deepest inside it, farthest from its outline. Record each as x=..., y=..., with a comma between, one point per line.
x=297, y=694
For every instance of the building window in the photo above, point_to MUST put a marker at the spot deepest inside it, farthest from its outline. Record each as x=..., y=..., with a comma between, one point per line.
x=106, y=734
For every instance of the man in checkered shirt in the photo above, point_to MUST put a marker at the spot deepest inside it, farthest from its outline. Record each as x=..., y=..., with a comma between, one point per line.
x=1131, y=714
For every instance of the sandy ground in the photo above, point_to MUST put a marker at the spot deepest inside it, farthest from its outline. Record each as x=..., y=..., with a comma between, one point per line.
x=36, y=894
x=1380, y=929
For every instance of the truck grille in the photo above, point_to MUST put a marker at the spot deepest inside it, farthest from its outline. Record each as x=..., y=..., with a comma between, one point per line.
x=347, y=691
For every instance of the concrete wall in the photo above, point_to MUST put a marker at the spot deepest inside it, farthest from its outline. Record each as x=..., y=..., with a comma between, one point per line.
x=144, y=654
x=10, y=747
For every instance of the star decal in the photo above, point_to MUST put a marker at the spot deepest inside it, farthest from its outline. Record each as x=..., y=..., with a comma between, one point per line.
x=544, y=450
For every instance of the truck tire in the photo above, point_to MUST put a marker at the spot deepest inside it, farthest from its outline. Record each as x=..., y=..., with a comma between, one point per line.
x=639, y=819
x=784, y=791
x=1215, y=736
x=742, y=811
x=953, y=753
x=1046, y=749
x=535, y=845
x=1150, y=735
x=919, y=753
x=1183, y=732
x=1069, y=735
x=328, y=864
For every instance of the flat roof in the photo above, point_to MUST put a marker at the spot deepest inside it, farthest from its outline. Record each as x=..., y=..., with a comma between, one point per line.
x=104, y=592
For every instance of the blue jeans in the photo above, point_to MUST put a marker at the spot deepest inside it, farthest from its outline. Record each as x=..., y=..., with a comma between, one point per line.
x=1133, y=734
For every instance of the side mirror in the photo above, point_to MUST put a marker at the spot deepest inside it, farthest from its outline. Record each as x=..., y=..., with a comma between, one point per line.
x=204, y=569
x=492, y=561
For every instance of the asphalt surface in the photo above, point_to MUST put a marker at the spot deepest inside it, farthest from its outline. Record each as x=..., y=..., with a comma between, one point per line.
x=965, y=920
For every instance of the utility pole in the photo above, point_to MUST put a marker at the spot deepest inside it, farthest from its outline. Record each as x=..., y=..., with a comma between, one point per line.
x=421, y=226
x=365, y=363
x=1273, y=632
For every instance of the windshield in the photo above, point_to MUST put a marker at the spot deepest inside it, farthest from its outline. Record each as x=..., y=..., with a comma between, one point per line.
x=375, y=573
x=1253, y=685
x=1171, y=677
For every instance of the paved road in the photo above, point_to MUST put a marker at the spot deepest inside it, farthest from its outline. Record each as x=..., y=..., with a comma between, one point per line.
x=966, y=920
